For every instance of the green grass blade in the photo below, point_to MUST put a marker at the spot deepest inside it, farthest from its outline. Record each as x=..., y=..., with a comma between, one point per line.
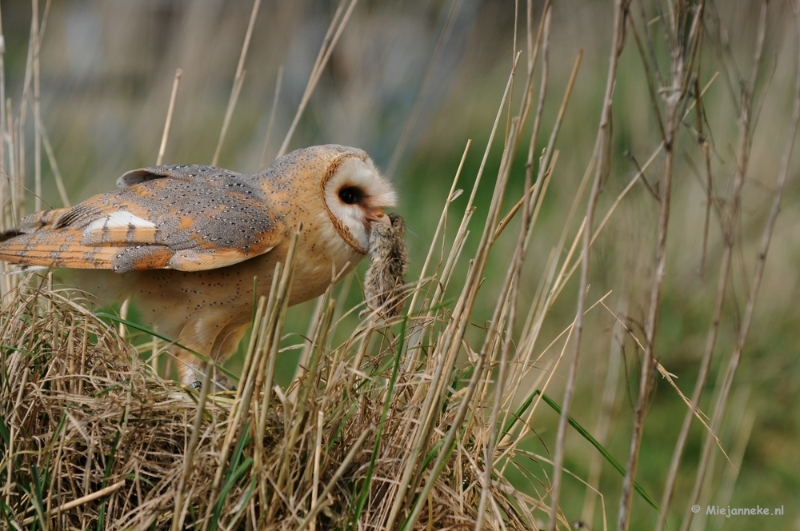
x=37, y=494
x=5, y=433
x=584, y=433
x=229, y=484
x=136, y=326
x=362, y=498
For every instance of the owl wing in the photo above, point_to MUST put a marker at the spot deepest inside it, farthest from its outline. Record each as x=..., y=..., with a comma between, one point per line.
x=189, y=218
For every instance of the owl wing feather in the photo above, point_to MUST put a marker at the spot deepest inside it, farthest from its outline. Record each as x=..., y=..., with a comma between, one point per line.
x=185, y=172
x=189, y=218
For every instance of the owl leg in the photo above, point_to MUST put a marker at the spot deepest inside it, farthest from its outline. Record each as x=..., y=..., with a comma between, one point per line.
x=191, y=369
x=226, y=344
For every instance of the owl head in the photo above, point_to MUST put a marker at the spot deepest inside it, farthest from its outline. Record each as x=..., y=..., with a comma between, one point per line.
x=337, y=186
x=355, y=195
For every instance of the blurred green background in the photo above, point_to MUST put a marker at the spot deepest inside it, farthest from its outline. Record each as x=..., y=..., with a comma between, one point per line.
x=107, y=70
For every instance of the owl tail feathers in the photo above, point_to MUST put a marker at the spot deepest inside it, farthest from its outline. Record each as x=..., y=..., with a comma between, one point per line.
x=10, y=233
x=34, y=222
x=20, y=269
x=100, y=287
x=8, y=256
x=27, y=253
x=62, y=248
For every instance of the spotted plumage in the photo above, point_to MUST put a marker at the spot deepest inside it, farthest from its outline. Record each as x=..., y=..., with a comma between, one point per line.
x=186, y=241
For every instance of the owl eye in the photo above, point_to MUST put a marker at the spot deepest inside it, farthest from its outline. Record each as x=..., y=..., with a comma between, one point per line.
x=350, y=195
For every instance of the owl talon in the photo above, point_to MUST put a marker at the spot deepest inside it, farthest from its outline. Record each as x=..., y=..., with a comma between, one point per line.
x=218, y=386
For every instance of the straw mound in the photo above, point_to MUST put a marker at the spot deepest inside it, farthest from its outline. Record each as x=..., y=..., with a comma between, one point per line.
x=92, y=439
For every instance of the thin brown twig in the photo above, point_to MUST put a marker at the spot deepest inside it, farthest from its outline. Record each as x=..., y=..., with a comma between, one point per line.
x=37, y=138
x=335, y=29
x=271, y=121
x=674, y=116
x=620, y=14
x=4, y=133
x=168, y=122
x=412, y=120
x=564, y=277
x=607, y=411
x=238, y=81
x=648, y=74
x=653, y=191
x=82, y=500
x=744, y=330
x=51, y=158
x=709, y=180
x=237, y=87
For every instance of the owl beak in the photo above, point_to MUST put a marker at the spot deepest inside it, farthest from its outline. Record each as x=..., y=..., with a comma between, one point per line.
x=377, y=215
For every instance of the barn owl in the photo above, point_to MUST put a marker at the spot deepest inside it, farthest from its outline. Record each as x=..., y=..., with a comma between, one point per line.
x=185, y=242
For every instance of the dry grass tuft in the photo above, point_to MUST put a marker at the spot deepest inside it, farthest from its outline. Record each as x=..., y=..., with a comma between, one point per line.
x=92, y=438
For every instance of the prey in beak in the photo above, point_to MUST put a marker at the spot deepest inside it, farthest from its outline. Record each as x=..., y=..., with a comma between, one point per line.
x=384, y=285
x=376, y=215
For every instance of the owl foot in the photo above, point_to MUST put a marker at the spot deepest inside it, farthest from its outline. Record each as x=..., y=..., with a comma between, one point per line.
x=220, y=384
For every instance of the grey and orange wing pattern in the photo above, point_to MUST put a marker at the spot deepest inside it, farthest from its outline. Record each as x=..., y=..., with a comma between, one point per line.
x=189, y=218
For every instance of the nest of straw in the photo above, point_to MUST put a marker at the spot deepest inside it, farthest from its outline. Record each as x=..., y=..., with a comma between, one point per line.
x=92, y=438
